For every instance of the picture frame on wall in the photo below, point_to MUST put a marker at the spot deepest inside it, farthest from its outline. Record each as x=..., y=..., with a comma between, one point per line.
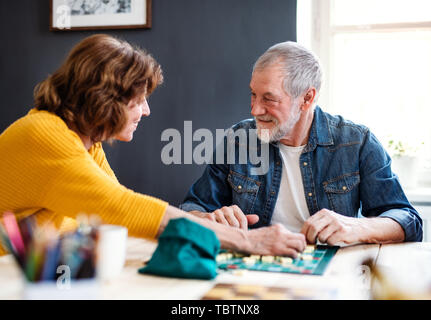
x=69, y=15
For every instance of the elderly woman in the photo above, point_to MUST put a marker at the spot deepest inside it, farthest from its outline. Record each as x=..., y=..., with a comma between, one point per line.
x=53, y=166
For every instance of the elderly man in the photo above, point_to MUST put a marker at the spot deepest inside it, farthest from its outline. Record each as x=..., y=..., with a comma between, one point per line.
x=324, y=171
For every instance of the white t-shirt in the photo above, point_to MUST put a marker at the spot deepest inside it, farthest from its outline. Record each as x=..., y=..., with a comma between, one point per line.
x=291, y=208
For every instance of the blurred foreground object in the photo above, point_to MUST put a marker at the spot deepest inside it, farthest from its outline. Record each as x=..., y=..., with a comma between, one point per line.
x=386, y=286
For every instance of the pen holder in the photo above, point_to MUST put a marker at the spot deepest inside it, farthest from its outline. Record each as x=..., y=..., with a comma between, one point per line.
x=86, y=289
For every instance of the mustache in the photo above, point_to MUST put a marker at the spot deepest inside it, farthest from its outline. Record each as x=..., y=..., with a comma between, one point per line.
x=266, y=118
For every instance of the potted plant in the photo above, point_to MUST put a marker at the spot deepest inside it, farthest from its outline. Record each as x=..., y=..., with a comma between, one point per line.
x=405, y=162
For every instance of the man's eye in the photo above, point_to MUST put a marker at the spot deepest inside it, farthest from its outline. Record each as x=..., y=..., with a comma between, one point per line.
x=268, y=99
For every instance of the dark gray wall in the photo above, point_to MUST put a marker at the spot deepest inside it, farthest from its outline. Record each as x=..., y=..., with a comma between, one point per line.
x=206, y=49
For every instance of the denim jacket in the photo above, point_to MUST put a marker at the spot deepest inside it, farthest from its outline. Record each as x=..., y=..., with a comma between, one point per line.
x=344, y=168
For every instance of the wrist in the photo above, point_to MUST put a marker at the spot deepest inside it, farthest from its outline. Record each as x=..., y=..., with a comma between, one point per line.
x=365, y=231
x=199, y=214
x=237, y=240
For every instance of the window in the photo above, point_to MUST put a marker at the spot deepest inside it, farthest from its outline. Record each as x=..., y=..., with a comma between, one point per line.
x=376, y=56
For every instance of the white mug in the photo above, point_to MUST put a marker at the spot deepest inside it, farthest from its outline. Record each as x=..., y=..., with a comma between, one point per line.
x=112, y=247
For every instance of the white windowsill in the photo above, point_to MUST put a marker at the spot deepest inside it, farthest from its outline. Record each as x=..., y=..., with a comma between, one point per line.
x=420, y=198
x=420, y=195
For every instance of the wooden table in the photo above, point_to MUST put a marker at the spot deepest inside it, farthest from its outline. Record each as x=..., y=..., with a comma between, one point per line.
x=408, y=261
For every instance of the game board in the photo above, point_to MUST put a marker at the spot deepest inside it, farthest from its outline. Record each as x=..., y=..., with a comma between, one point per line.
x=234, y=291
x=312, y=261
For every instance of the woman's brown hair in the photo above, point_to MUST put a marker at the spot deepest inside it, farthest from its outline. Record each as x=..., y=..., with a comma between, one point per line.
x=93, y=87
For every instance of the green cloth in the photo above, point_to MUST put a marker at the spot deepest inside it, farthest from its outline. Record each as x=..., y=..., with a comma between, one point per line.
x=185, y=250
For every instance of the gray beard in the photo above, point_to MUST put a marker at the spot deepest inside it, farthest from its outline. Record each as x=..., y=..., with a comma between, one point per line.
x=276, y=134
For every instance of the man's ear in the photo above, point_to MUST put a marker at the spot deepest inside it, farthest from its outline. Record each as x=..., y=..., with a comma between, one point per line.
x=308, y=98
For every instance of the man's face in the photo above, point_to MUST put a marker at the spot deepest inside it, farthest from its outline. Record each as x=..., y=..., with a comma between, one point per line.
x=272, y=108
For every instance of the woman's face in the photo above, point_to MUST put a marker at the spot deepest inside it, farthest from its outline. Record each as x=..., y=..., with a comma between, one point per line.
x=135, y=111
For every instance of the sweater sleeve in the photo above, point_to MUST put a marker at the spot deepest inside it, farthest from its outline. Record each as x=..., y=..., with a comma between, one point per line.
x=81, y=186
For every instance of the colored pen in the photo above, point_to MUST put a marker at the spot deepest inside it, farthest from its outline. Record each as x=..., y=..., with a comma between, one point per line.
x=12, y=230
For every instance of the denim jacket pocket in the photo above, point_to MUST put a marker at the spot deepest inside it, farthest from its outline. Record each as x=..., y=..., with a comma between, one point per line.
x=343, y=193
x=244, y=191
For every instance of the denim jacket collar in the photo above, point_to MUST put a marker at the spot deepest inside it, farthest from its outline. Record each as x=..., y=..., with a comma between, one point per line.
x=319, y=132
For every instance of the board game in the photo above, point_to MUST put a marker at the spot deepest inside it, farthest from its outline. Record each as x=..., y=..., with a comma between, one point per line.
x=313, y=261
x=235, y=291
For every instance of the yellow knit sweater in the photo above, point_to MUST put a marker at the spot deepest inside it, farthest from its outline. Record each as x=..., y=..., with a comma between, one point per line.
x=46, y=171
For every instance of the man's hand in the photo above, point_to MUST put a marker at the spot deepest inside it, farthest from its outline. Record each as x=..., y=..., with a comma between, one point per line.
x=230, y=216
x=273, y=240
x=332, y=228
x=276, y=240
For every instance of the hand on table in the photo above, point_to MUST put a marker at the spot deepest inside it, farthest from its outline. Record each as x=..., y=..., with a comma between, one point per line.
x=331, y=228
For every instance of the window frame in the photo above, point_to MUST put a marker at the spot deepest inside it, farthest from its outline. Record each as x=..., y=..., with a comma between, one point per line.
x=322, y=34
x=319, y=38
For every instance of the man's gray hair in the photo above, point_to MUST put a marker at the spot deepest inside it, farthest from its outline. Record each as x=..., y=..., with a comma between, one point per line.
x=301, y=66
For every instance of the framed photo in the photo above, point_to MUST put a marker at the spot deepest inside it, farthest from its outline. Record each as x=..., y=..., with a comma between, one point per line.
x=99, y=14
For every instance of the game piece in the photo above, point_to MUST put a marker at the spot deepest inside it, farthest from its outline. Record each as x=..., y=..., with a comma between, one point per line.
x=268, y=259
x=249, y=260
x=309, y=248
x=221, y=257
x=307, y=257
x=286, y=260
